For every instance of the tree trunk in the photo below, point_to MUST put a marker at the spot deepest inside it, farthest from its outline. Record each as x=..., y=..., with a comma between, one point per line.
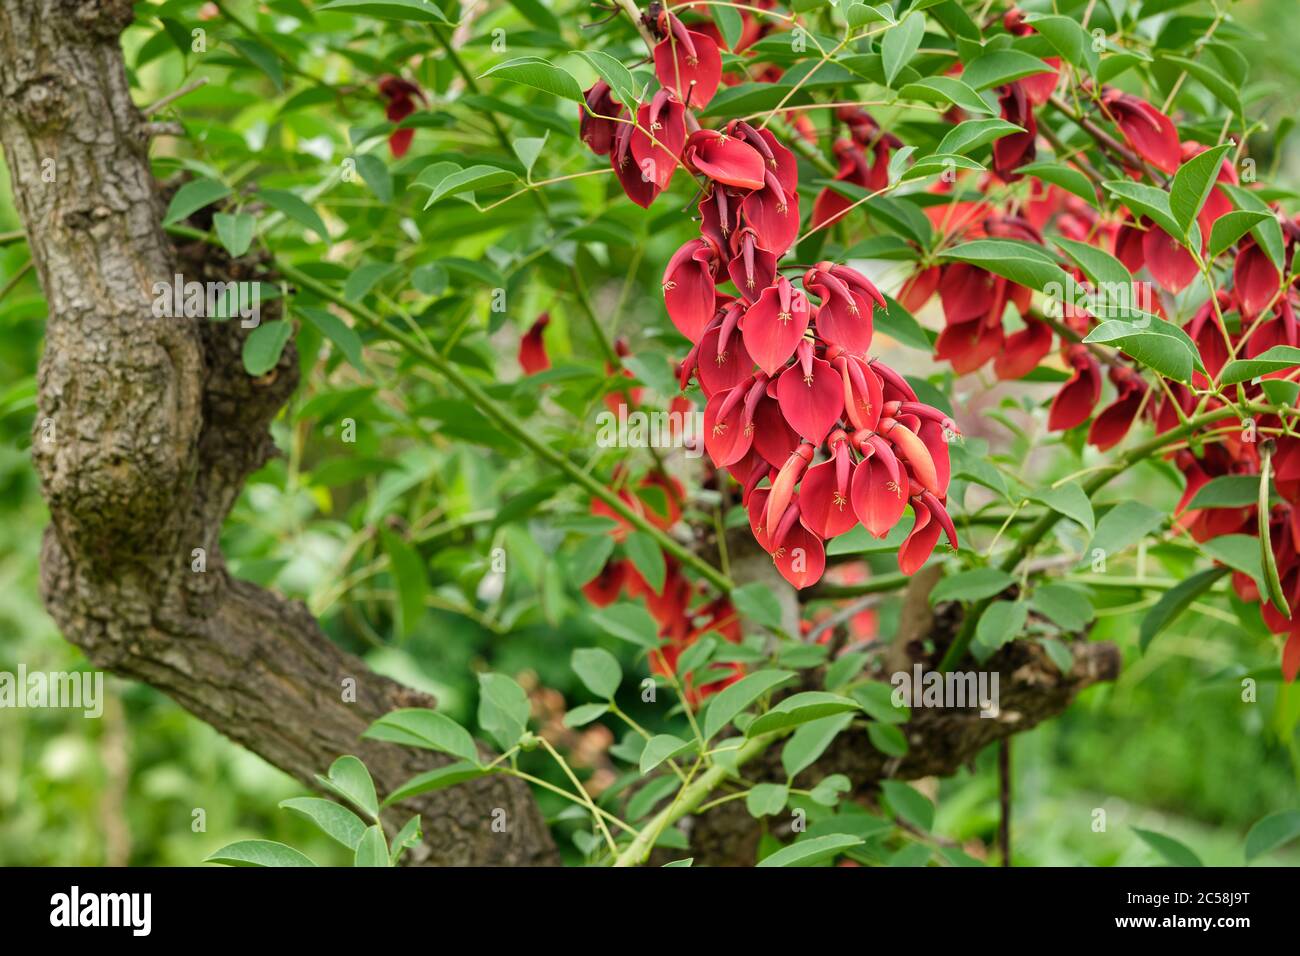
x=147, y=427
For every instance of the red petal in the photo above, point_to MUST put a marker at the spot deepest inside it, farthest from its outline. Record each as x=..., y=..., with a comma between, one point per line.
x=1254, y=280
x=812, y=405
x=725, y=159
x=771, y=333
x=773, y=438
x=1171, y=265
x=532, y=348
x=689, y=292
x=801, y=558
x=825, y=509
x=1077, y=397
x=1023, y=351
x=726, y=439
x=918, y=547
x=719, y=372
x=877, y=494
x=657, y=158
x=697, y=76
x=774, y=216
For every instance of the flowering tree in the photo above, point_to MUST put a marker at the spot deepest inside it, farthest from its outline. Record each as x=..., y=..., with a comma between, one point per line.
x=868, y=225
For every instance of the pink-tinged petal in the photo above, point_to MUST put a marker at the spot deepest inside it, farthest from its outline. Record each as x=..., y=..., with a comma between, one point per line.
x=920, y=542
x=773, y=214
x=894, y=386
x=752, y=269
x=532, y=348
x=876, y=492
x=1149, y=132
x=775, y=324
x=824, y=506
x=689, y=63
x=811, y=404
x=968, y=345
x=596, y=118
x=1114, y=421
x=720, y=216
x=1255, y=280
x=1170, y=264
x=918, y=289
x=863, y=392
x=1077, y=397
x=846, y=322
x=800, y=557
x=783, y=485
x=828, y=207
x=727, y=434
x=935, y=438
x=640, y=189
x=722, y=367
x=965, y=291
x=940, y=514
x=663, y=118
x=773, y=438
x=910, y=448
x=1040, y=87
x=756, y=509
x=689, y=291
x=725, y=159
x=1128, y=247
x=1022, y=351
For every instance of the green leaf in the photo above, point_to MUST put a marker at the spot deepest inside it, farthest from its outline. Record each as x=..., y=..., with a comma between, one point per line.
x=973, y=585
x=1069, y=500
x=810, y=851
x=264, y=345
x=1174, y=602
x=1001, y=623
x=887, y=738
x=1174, y=852
x=502, y=709
x=613, y=72
x=1068, y=178
x=449, y=776
x=418, y=11
x=1023, y=263
x=262, y=58
x=972, y=134
x=1275, y=830
x=1066, y=607
x=373, y=848
x=364, y=278
x=375, y=172
x=406, y=838
x=1192, y=184
x=1228, y=229
x=258, y=853
x=598, y=670
x=1155, y=343
x=1268, y=231
x=235, y=231
x=766, y=799
x=1147, y=200
x=860, y=14
x=662, y=747
x=340, y=333
x=946, y=89
x=338, y=823
x=810, y=741
x=630, y=622
x=192, y=197
x=541, y=75
x=296, y=209
x=800, y=709
x=997, y=67
x=1226, y=491
x=877, y=700
x=584, y=714
x=899, y=45
x=421, y=727
x=1124, y=525
x=829, y=789
x=907, y=803
x=409, y=578
x=588, y=559
x=528, y=149
x=647, y=558
x=730, y=24
x=732, y=700
x=936, y=165
x=1274, y=359
x=349, y=778
x=1068, y=38
x=447, y=179
x=758, y=603
x=1239, y=552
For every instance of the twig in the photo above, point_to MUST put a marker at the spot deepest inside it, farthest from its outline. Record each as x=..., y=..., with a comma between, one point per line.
x=173, y=97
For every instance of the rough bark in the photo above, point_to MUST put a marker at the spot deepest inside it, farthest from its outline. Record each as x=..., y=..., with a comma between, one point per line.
x=146, y=430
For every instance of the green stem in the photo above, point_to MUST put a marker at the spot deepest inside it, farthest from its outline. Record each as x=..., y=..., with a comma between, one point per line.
x=688, y=799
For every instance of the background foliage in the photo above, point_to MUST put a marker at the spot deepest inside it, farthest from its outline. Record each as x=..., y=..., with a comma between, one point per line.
x=1169, y=747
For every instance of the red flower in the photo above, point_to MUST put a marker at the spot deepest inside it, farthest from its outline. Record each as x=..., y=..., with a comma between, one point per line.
x=1148, y=131
x=1077, y=397
x=687, y=62
x=401, y=95
x=725, y=159
x=532, y=348
x=596, y=117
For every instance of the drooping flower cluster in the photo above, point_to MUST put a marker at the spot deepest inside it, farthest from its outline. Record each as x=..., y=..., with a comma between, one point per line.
x=820, y=436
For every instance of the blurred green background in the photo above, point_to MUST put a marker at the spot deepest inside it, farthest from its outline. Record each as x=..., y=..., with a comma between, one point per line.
x=1170, y=747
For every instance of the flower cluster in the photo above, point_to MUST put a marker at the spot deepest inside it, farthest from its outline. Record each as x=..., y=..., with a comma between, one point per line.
x=821, y=436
